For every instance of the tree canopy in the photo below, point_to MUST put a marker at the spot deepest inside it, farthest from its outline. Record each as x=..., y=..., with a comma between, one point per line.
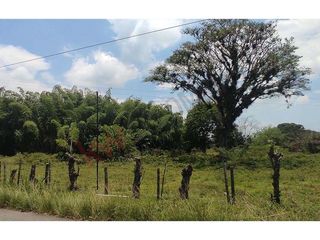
x=232, y=63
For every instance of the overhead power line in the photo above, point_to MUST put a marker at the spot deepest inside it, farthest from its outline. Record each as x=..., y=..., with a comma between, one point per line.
x=101, y=43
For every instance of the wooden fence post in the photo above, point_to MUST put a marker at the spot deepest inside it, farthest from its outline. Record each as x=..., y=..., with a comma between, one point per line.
x=73, y=175
x=184, y=188
x=226, y=180
x=275, y=158
x=233, y=193
x=137, y=179
x=106, y=181
x=46, y=174
x=158, y=183
x=13, y=176
x=163, y=178
x=49, y=173
x=32, y=176
x=19, y=172
x=4, y=172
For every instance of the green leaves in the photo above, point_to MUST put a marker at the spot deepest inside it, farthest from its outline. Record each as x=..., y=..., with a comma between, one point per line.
x=232, y=63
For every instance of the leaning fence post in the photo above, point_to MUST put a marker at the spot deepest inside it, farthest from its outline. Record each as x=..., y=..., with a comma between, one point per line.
x=106, y=181
x=233, y=193
x=184, y=188
x=137, y=178
x=158, y=183
x=19, y=172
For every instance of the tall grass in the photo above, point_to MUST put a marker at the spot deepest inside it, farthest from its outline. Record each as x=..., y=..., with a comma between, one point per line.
x=299, y=185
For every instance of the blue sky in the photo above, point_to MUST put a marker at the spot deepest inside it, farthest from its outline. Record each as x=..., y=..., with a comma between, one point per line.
x=123, y=65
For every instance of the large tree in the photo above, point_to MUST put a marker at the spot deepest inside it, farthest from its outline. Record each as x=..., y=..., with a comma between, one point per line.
x=232, y=63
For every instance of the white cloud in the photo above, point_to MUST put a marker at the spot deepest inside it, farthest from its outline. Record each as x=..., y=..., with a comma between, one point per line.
x=306, y=37
x=143, y=49
x=101, y=70
x=32, y=76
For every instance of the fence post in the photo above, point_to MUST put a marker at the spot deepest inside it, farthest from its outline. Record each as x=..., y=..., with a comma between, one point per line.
x=13, y=176
x=49, y=173
x=106, y=181
x=275, y=158
x=233, y=193
x=32, y=176
x=184, y=188
x=46, y=174
x=73, y=175
x=137, y=179
x=226, y=180
x=158, y=183
x=163, y=178
x=19, y=172
x=4, y=172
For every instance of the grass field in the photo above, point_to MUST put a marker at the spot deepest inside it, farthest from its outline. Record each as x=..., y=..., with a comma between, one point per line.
x=299, y=185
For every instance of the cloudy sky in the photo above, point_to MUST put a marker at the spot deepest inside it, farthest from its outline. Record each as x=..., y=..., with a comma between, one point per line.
x=123, y=65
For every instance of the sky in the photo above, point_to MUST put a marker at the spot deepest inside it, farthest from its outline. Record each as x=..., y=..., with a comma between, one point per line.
x=122, y=66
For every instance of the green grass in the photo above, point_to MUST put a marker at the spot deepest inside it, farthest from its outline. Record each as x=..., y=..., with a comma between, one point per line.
x=299, y=184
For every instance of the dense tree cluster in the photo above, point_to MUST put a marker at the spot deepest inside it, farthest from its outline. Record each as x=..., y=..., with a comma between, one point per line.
x=289, y=135
x=52, y=121
x=65, y=120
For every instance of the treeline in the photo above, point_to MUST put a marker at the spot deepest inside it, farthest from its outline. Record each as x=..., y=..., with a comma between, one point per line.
x=289, y=135
x=51, y=121
x=65, y=120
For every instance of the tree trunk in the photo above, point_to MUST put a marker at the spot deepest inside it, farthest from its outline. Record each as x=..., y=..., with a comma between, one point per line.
x=184, y=188
x=225, y=137
x=137, y=179
x=203, y=147
x=73, y=175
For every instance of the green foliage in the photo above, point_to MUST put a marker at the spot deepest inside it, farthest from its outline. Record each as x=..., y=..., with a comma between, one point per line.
x=217, y=67
x=268, y=134
x=30, y=136
x=291, y=136
x=65, y=115
x=199, y=127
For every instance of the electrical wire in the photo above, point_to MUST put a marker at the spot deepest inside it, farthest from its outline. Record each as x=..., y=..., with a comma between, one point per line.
x=101, y=43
